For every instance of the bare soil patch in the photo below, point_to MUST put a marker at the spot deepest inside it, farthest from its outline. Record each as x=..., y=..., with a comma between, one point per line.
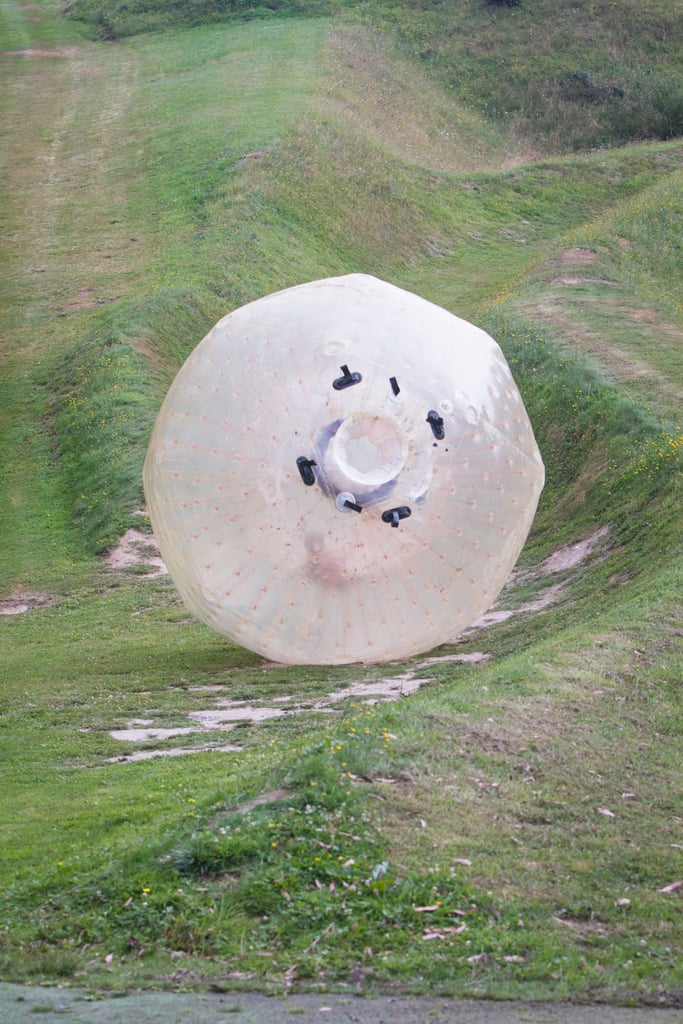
x=149, y=755
x=137, y=733
x=567, y=557
x=572, y=554
x=578, y=255
x=270, y=797
x=210, y=721
x=228, y=717
x=21, y=601
x=225, y=715
x=573, y=281
x=87, y=299
x=38, y=53
x=134, y=550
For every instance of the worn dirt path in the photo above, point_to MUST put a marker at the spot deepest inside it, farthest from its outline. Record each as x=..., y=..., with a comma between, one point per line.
x=25, y=1004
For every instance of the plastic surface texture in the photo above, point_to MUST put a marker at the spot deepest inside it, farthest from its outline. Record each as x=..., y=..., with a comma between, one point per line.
x=342, y=472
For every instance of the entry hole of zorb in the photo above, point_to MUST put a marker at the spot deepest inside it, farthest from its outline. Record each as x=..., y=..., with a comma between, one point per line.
x=370, y=450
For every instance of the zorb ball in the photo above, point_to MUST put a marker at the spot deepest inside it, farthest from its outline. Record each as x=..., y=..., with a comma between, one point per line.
x=342, y=472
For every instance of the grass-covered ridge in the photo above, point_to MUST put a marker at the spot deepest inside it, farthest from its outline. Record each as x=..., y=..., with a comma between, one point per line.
x=116, y=19
x=513, y=829
x=566, y=76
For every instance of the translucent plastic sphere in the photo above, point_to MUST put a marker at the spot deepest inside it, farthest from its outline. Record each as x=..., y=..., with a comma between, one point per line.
x=342, y=472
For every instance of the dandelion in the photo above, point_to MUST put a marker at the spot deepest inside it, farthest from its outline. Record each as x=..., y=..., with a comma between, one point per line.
x=146, y=890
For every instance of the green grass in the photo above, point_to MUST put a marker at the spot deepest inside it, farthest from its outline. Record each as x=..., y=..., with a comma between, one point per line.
x=117, y=19
x=613, y=287
x=162, y=181
x=109, y=294
x=570, y=77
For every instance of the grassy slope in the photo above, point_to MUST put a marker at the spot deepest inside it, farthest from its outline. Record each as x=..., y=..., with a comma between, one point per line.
x=570, y=75
x=615, y=289
x=184, y=203
x=120, y=219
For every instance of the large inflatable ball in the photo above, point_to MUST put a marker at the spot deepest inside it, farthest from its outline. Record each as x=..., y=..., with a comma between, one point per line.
x=342, y=472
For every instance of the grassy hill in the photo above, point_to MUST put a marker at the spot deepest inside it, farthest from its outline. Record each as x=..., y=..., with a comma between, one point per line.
x=568, y=75
x=530, y=793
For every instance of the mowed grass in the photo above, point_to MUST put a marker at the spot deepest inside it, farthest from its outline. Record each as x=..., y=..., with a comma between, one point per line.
x=570, y=78
x=515, y=829
x=615, y=289
x=123, y=164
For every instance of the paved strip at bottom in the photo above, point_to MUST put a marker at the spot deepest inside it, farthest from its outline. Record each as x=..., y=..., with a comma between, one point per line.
x=20, y=1004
